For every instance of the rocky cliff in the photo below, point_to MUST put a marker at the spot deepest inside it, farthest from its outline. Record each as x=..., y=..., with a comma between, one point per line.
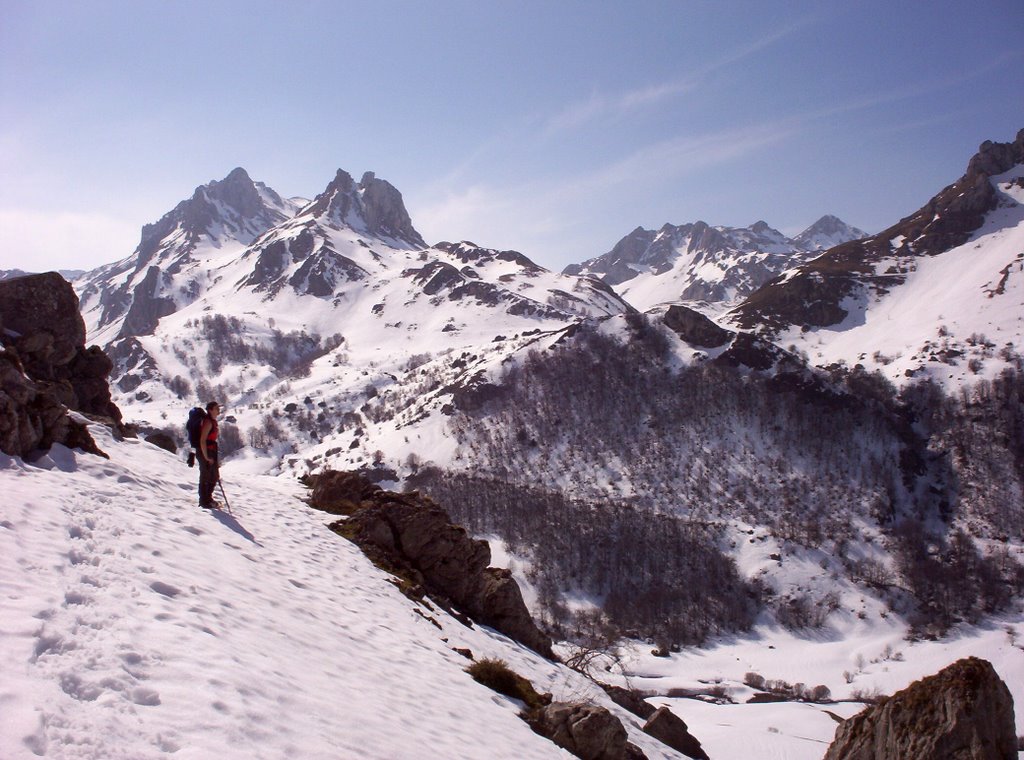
x=964, y=712
x=45, y=368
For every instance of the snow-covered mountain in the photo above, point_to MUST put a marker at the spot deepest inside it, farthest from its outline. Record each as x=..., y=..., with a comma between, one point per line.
x=240, y=294
x=939, y=294
x=657, y=474
x=697, y=262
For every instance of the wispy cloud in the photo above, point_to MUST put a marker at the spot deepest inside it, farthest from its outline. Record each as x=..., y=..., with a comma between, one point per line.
x=584, y=111
x=534, y=216
x=913, y=91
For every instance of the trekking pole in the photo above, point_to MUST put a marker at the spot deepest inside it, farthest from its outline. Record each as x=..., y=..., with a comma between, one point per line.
x=226, y=504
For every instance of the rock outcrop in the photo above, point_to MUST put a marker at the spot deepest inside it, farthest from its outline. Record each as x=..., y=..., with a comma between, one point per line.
x=45, y=368
x=668, y=728
x=587, y=731
x=695, y=328
x=412, y=536
x=965, y=712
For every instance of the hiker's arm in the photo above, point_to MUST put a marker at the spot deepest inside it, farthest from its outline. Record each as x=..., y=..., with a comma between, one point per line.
x=204, y=431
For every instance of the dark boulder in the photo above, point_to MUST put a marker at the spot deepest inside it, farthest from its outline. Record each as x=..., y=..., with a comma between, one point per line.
x=964, y=712
x=45, y=368
x=163, y=441
x=668, y=728
x=587, y=731
x=629, y=699
x=695, y=328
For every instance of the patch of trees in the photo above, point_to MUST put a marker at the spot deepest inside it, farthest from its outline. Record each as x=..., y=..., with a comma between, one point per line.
x=289, y=353
x=616, y=422
x=654, y=575
x=950, y=579
x=814, y=456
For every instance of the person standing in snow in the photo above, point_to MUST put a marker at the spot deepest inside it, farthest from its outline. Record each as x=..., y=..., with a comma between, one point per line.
x=209, y=466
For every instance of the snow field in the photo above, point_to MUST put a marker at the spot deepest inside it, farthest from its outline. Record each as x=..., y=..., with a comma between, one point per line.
x=137, y=626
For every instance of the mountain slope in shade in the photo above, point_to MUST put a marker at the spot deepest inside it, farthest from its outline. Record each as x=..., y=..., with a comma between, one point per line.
x=940, y=293
x=697, y=262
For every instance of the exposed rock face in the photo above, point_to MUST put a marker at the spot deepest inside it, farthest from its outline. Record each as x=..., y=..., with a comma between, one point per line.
x=669, y=728
x=695, y=328
x=965, y=712
x=374, y=205
x=629, y=700
x=587, y=731
x=412, y=535
x=147, y=306
x=45, y=368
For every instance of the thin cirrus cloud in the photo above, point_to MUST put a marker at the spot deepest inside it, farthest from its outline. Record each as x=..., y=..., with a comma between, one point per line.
x=523, y=216
x=597, y=106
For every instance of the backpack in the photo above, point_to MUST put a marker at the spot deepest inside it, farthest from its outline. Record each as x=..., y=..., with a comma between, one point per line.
x=195, y=423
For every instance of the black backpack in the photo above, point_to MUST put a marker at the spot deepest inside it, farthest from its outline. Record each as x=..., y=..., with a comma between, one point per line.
x=195, y=423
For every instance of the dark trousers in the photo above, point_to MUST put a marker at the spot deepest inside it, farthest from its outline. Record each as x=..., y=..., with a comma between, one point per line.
x=209, y=474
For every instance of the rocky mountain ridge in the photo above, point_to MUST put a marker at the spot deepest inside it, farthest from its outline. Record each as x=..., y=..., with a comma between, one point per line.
x=698, y=262
x=940, y=287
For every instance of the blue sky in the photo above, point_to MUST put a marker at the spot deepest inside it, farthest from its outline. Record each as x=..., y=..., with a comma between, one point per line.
x=553, y=128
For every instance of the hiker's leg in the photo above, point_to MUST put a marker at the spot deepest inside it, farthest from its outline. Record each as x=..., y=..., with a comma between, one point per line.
x=207, y=480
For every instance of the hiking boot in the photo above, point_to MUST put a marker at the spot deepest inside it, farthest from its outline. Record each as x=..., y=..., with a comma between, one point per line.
x=209, y=505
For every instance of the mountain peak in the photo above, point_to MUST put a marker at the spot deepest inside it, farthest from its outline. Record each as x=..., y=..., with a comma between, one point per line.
x=238, y=174
x=374, y=206
x=827, y=232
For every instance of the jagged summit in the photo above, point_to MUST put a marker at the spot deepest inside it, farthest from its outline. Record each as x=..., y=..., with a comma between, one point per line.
x=235, y=206
x=373, y=206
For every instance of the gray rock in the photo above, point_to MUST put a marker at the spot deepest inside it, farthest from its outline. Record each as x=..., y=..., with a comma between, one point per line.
x=670, y=729
x=587, y=731
x=965, y=712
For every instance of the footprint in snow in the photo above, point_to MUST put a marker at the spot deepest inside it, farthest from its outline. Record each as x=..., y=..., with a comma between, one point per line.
x=165, y=588
x=140, y=695
x=73, y=597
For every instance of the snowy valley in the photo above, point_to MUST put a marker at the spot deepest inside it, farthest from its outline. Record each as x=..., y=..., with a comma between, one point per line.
x=718, y=462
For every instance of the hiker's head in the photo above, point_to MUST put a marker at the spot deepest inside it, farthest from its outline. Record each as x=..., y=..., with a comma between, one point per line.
x=213, y=408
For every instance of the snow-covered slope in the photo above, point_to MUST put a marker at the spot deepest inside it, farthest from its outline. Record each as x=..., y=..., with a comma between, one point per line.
x=137, y=626
x=715, y=265
x=940, y=294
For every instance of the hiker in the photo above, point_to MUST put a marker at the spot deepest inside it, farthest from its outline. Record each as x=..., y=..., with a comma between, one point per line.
x=209, y=467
